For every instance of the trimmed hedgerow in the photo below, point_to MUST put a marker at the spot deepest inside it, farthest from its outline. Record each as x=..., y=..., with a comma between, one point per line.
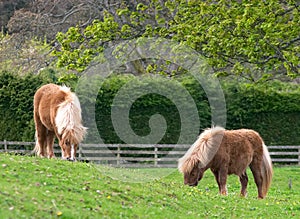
x=16, y=105
x=272, y=109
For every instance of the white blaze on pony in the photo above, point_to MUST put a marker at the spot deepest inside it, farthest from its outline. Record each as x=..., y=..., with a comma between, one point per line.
x=57, y=112
x=227, y=152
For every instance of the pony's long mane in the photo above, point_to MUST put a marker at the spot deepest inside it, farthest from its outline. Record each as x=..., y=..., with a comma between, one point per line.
x=203, y=150
x=68, y=118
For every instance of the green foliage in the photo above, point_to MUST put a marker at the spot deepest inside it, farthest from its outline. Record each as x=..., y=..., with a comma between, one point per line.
x=256, y=39
x=41, y=188
x=16, y=105
x=69, y=80
x=148, y=104
x=79, y=48
x=254, y=32
x=272, y=109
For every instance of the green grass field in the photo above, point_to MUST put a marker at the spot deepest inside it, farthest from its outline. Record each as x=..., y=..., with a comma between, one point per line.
x=31, y=187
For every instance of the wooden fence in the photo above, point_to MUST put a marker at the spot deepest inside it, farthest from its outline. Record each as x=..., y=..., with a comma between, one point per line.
x=142, y=155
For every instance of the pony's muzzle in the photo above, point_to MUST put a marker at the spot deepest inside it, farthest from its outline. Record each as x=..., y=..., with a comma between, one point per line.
x=191, y=184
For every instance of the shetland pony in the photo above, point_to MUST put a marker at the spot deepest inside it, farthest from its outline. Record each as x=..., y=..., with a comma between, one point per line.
x=227, y=152
x=57, y=113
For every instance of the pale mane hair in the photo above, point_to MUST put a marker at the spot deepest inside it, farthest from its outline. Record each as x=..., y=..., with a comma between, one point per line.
x=68, y=118
x=203, y=150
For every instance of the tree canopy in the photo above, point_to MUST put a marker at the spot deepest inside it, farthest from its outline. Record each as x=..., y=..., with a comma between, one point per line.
x=254, y=39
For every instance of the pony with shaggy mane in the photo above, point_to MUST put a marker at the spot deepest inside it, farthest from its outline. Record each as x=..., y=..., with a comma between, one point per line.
x=57, y=112
x=227, y=152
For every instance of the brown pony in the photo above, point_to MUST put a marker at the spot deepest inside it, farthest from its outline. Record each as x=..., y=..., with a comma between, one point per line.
x=57, y=113
x=227, y=152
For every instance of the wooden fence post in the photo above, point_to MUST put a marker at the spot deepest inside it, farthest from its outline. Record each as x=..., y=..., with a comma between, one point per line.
x=299, y=156
x=118, y=155
x=5, y=146
x=155, y=155
x=80, y=152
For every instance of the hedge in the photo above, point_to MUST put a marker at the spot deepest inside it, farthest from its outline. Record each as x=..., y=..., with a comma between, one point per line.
x=16, y=104
x=272, y=109
x=149, y=104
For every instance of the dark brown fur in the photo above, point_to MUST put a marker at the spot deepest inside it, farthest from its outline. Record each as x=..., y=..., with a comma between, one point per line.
x=238, y=150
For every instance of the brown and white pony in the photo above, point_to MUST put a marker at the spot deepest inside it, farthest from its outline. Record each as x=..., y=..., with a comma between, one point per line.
x=227, y=152
x=57, y=113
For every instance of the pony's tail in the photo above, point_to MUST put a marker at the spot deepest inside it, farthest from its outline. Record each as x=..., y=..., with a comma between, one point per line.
x=267, y=170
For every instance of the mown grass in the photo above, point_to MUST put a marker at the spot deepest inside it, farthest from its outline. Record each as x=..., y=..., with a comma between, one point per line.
x=31, y=187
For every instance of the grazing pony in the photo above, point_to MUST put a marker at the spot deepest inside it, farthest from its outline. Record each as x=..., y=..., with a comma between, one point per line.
x=227, y=152
x=57, y=113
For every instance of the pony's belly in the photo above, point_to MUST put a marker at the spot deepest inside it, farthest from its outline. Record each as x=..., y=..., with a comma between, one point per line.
x=243, y=163
x=45, y=113
x=47, y=123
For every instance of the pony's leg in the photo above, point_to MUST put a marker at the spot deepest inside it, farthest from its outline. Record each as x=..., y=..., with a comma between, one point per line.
x=222, y=180
x=244, y=183
x=216, y=174
x=256, y=171
x=73, y=152
x=41, y=132
x=50, y=142
x=63, y=152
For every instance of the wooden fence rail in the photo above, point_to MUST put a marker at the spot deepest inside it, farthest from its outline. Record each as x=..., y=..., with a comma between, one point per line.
x=142, y=155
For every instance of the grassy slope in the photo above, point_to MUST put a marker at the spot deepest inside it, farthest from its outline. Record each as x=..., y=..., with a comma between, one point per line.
x=41, y=188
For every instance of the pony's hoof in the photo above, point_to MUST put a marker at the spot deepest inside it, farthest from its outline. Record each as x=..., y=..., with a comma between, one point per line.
x=243, y=195
x=69, y=159
x=224, y=193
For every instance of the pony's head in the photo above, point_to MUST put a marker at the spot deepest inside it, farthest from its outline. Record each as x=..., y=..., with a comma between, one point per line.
x=68, y=150
x=191, y=167
x=193, y=176
x=70, y=140
x=196, y=160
